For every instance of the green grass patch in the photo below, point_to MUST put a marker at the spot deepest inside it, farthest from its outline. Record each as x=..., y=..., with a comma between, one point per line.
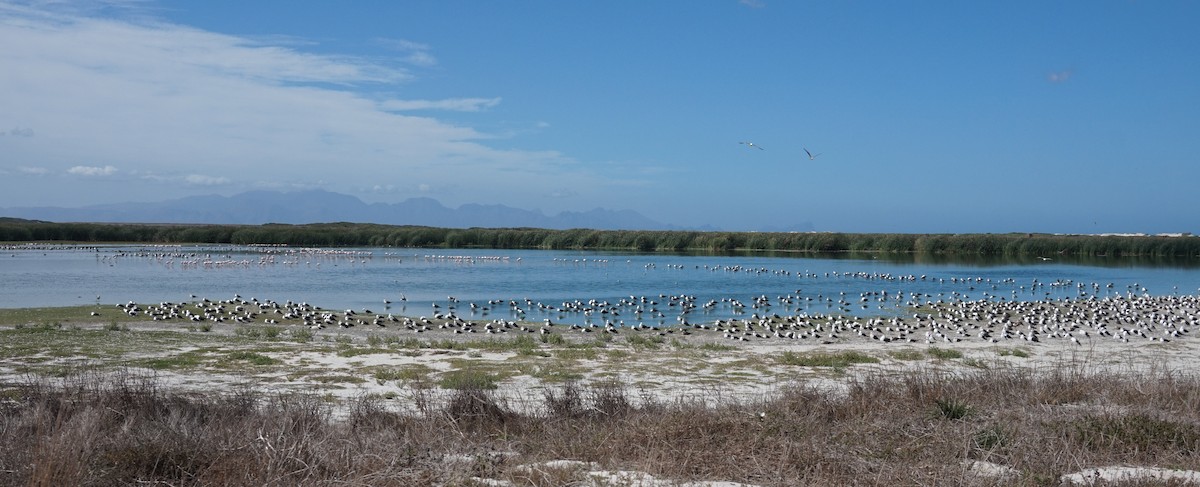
x=652, y=342
x=468, y=379
x=253, y=358
x=1013, y=352
x=518, y=344
x=259, y=332
x=726, y=367
x=445, y=344
x=822, y=359
x=300, y=335
x=617, y=354
x=407, y=373
x=943, y=353
x=43, y=327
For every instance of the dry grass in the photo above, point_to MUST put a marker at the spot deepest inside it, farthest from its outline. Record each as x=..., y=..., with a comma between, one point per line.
x=912, y=429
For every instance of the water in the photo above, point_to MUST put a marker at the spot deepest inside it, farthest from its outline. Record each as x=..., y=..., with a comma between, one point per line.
x=538, y=283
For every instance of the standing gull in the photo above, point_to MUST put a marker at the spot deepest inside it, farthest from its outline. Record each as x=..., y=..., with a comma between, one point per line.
x=752, y=145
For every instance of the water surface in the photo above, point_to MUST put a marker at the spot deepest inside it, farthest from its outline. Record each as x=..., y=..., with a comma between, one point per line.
x=540, y=282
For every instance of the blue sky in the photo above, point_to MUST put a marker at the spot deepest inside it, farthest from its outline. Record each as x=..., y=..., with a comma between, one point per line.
x=929, y=116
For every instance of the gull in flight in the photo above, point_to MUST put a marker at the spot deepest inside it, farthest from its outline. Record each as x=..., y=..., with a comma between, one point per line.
x=752, y=145
x=811, y=156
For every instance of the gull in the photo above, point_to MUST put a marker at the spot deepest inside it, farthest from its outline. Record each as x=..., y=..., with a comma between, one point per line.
x=752, y=145
x=811, y=156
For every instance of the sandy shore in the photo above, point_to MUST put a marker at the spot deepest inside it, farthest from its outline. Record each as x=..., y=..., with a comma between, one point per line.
x=703, y=364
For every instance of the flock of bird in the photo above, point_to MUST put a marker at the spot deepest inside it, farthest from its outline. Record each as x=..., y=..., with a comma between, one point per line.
x=752, y=145
x=1121, y=318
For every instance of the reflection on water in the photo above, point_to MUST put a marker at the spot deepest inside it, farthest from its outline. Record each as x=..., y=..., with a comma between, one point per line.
x=558, y=285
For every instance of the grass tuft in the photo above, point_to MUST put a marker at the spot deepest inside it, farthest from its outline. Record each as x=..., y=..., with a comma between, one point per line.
x=953, y=409
x=943, y=353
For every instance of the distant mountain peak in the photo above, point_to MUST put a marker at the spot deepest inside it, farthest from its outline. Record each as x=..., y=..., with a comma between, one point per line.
x=320, y=206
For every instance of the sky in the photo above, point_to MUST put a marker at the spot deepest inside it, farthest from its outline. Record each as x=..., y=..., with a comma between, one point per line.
x=928, y=116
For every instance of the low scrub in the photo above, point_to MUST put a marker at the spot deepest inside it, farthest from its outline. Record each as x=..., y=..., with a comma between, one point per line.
x=127, y=429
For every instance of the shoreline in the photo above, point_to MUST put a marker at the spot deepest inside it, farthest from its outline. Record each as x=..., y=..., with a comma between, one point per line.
x=681, y=384
x=740, y=358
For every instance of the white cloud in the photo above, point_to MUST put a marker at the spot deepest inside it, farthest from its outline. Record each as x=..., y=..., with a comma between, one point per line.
x=201, y=180
x=1059, y=76
x=92, y=171
x=35, y=171
x=454, y=104
x=178, y=103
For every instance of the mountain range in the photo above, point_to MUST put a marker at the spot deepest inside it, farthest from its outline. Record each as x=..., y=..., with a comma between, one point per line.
x=318, y=206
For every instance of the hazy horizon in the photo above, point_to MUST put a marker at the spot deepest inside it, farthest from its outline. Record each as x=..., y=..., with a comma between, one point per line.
x=933, y=117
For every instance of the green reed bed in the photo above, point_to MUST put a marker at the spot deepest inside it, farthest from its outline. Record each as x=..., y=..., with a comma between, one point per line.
x=375, y=235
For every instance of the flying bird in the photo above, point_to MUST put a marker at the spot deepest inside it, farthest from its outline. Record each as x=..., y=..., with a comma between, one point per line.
x=752, y=145
x=811, y=156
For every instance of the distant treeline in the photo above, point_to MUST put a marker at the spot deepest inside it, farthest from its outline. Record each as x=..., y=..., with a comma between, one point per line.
x=372, y=235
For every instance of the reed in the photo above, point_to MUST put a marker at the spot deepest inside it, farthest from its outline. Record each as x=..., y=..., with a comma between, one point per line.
x=374, y=235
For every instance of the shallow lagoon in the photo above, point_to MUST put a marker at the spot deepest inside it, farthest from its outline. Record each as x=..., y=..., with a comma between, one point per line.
x=540, y=282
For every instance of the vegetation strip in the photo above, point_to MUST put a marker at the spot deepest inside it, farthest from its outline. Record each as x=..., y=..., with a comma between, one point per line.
x=1009, y=426
x=374, y=235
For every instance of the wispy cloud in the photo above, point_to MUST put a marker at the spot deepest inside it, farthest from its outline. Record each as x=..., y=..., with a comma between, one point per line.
x=92, y=171
x=33, y=171
x=454, y=104
x=186, y=104
x=414, y=53
x=1059, y=76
